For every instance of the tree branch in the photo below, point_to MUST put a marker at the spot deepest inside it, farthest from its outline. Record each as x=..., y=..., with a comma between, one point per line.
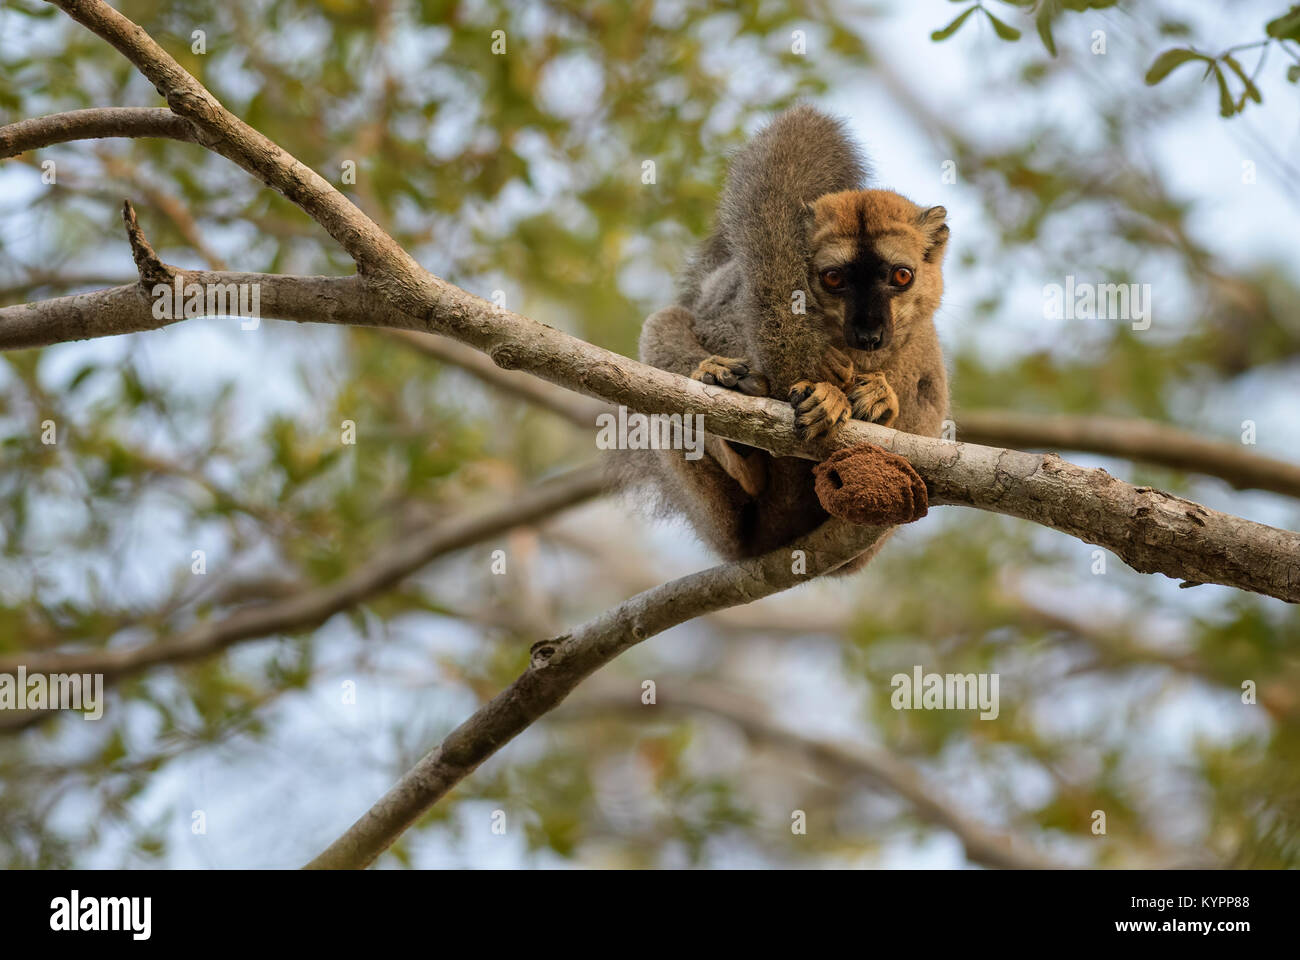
x=129, y=308
x=1152, y=531
x=557, y=666
x=309, y=606
x=982, y=845
x=1141, y=440
x=392, y=271
x=93, y=124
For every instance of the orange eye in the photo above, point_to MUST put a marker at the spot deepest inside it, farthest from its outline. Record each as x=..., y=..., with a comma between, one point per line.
x=834, y=279
x=900, y=277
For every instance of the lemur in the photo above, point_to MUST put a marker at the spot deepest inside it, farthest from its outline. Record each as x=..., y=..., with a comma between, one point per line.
x=813, y=290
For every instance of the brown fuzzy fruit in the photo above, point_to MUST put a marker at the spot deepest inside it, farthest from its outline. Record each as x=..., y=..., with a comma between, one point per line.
x=869, y=485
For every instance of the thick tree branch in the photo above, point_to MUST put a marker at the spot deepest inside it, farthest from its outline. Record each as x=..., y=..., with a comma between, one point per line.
x=1152, y=531
x=558, y=666
x=1141, y=440
x=93, y=124
x=309, y=606
x=129, y=308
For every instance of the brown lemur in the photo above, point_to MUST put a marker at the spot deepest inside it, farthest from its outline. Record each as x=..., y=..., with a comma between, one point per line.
x=812, y=290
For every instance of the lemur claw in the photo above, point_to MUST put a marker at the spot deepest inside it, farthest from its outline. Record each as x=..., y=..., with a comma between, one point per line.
x=873, y=399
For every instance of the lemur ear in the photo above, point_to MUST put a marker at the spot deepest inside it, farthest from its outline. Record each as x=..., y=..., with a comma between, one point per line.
x=933, y=226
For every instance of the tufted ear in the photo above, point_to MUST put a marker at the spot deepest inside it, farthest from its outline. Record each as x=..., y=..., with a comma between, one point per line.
x=933, y=226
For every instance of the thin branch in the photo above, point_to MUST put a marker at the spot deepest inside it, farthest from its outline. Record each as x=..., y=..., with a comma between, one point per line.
x=557, y=666
x=982, y=845
x=93, y=124
x=578, y=410
x=310, y=606
x=1140, y=440
x=149, y=265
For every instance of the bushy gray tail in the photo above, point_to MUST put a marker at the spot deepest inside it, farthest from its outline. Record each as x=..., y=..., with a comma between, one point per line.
x=799, y=156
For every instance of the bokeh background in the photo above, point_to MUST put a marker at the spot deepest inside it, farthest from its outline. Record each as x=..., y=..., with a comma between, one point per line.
x=522, y=173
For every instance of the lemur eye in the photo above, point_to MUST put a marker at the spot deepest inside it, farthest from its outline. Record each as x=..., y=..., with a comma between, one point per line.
x=900, y=276
x=834, y=279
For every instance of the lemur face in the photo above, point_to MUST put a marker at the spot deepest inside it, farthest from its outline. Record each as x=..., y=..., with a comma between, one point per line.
x=876, y=264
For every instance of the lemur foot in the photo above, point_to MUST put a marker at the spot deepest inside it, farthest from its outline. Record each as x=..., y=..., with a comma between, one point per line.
x=819, y=409
x=733, y=373
x=735, y=460
x=869, y=485
x=873, y=399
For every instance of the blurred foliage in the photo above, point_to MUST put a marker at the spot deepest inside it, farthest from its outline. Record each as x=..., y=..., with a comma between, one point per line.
x=522, y=173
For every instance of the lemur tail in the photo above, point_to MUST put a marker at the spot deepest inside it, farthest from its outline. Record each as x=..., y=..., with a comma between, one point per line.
x=765, y=221
x=799, y=156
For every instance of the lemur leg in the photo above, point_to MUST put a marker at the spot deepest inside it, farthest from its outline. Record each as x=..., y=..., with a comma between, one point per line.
x=873, y=399
x=741, y=464
x=669, y=341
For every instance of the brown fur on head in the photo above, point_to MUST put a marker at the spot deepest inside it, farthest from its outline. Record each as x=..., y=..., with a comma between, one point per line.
x=876, y=266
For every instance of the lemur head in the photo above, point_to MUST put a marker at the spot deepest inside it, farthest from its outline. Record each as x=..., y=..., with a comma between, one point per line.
x=876, y=263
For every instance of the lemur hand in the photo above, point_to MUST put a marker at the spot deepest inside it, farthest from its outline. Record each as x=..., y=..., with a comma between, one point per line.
x=819, y=409
x=873, y=399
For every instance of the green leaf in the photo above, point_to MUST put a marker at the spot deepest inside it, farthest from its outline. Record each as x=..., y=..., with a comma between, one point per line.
x=1226, y=108
x=1044, y=24
x=1168, y=61
x=81, y=376
x=1252, y=91
x=952, y=28
x=1285, y=27
x=1293, y=73
x=1003, y=30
